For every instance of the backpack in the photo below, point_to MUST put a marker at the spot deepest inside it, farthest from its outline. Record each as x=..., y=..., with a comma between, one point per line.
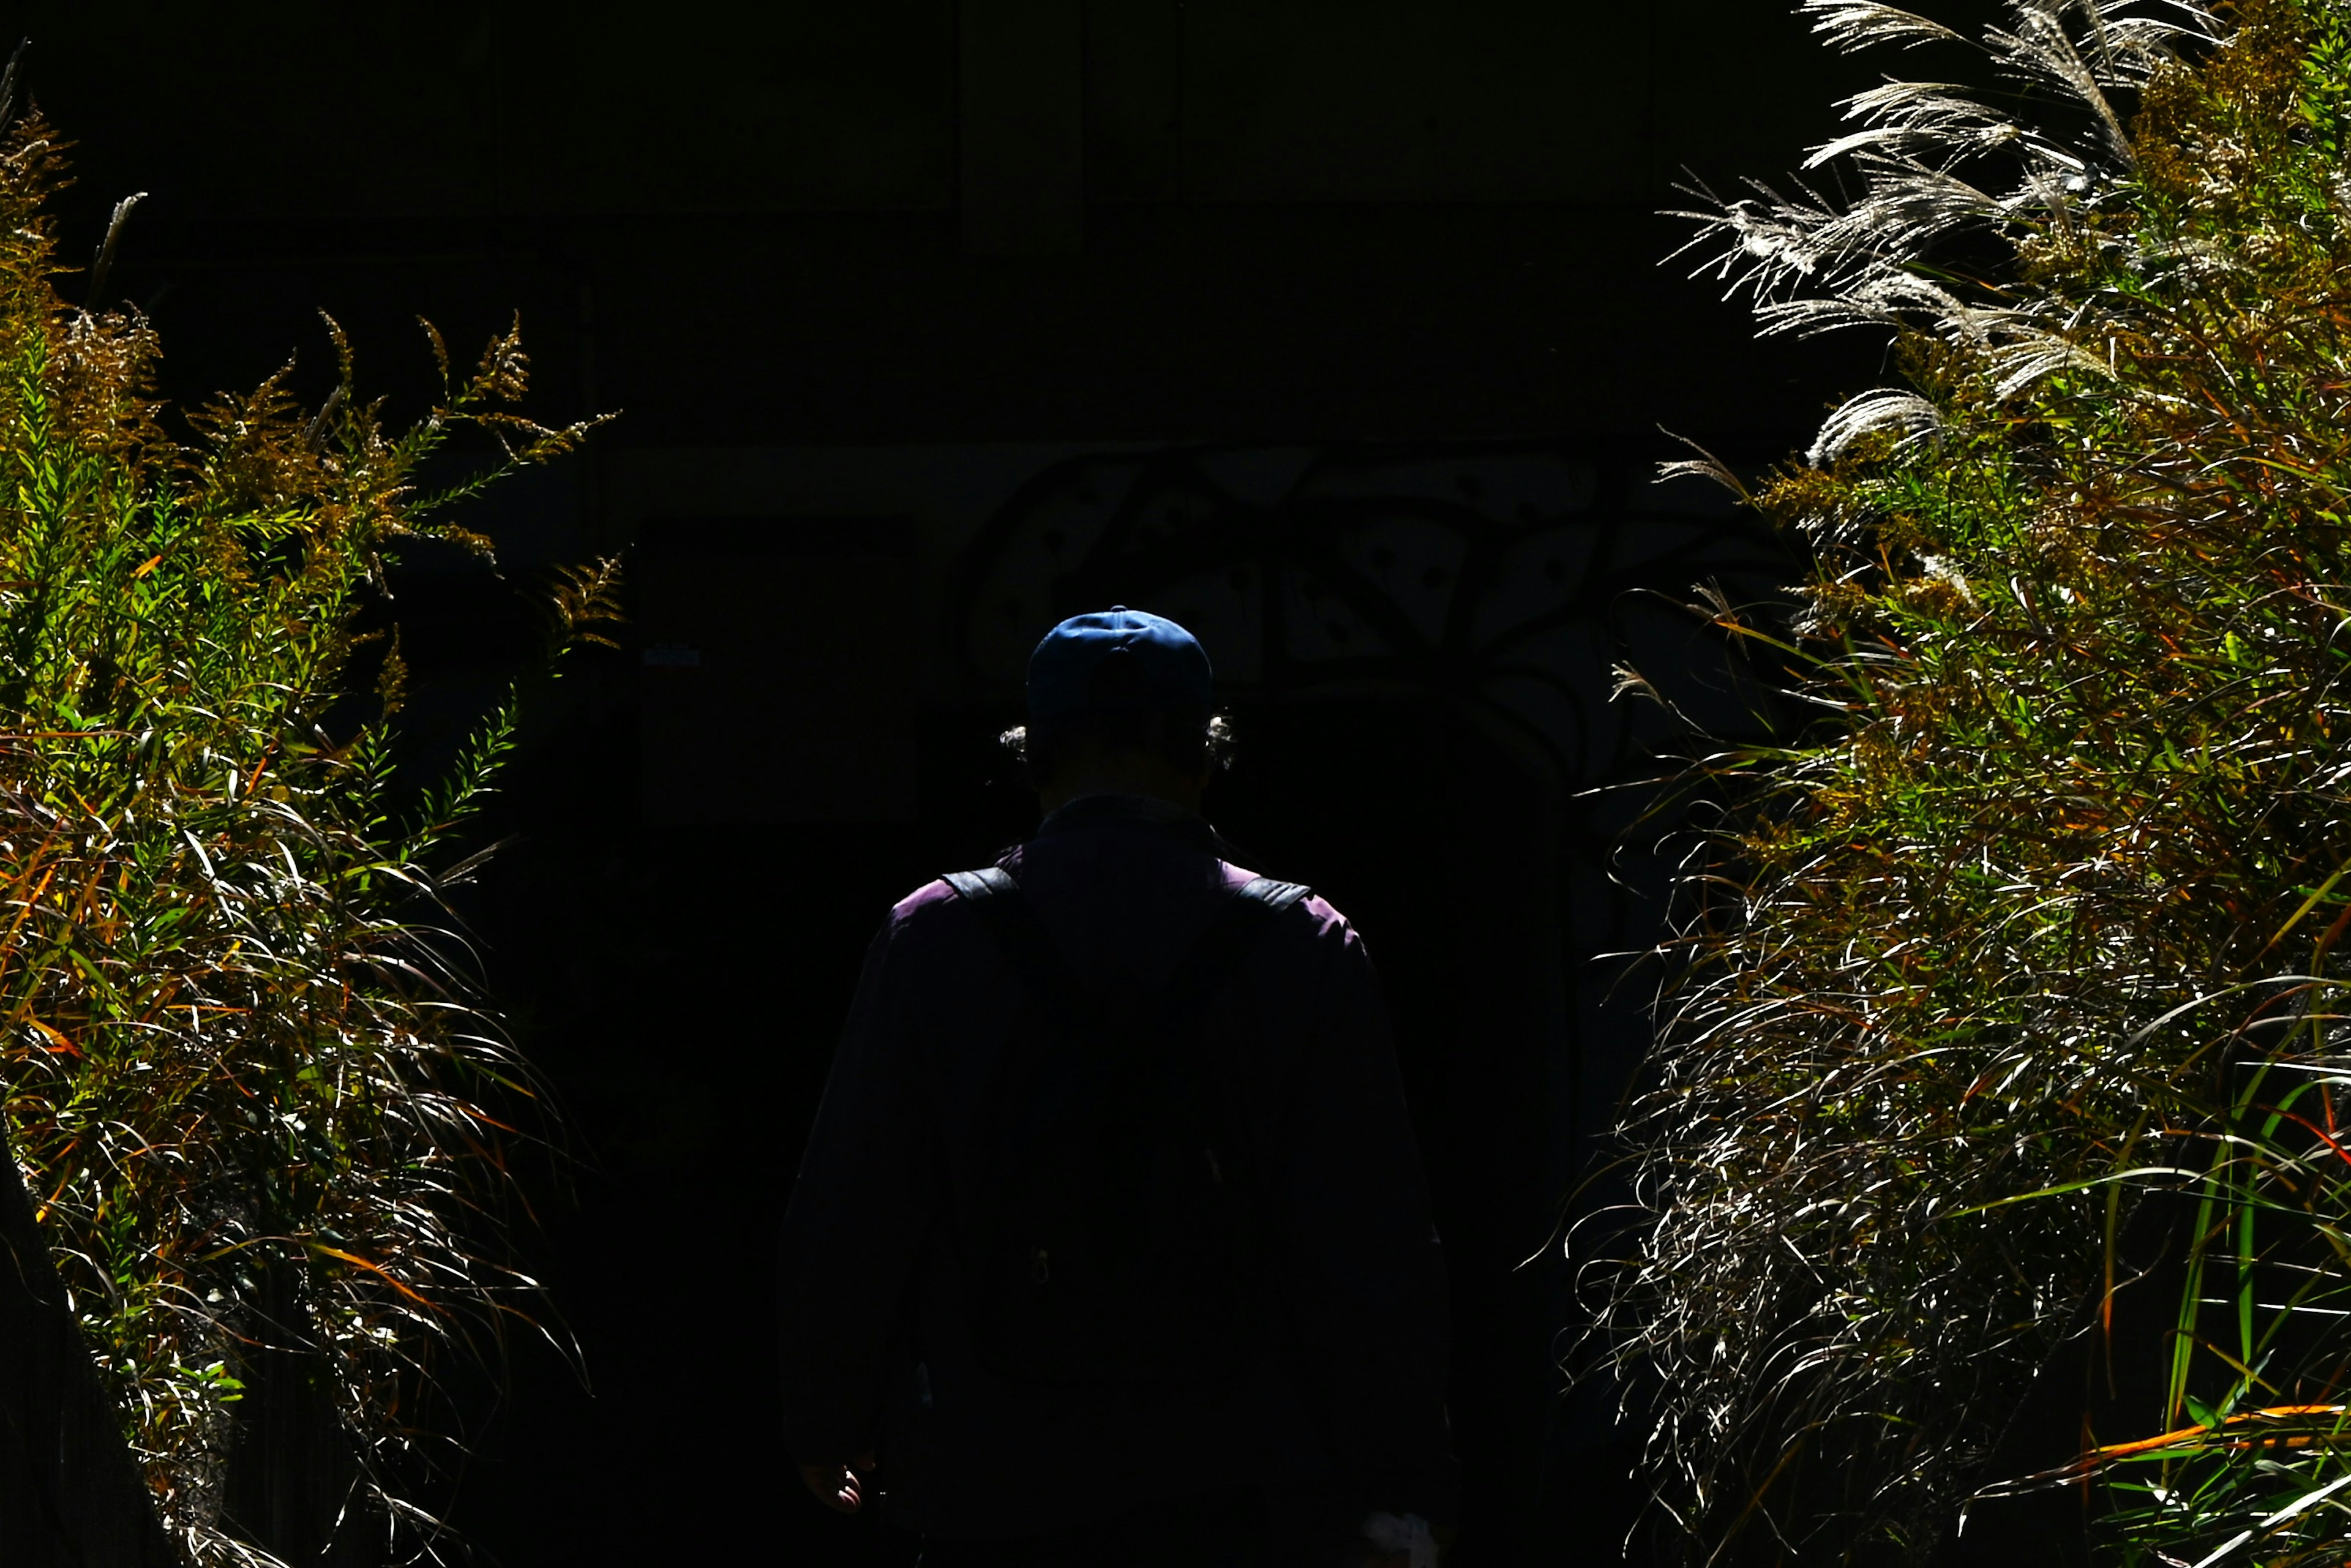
x=1111, y=1236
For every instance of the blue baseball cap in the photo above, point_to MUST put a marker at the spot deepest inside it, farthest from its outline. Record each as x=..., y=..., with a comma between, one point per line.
x=1118, y=659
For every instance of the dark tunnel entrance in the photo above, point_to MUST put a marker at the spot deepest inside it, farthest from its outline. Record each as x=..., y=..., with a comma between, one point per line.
x=1416, y=646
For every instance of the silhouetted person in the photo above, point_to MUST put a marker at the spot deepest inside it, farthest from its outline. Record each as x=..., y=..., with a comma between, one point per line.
x=1111, y=1243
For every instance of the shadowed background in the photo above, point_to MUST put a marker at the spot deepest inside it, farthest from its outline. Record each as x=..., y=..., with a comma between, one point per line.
x=1335, y=330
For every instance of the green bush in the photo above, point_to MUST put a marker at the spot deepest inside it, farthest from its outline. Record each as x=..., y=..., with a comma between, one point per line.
x=2036, y=923
x=253, y=1104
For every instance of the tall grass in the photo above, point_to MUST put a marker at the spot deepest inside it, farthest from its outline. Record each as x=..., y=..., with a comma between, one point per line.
x=2032, y=933
x=257, y=1105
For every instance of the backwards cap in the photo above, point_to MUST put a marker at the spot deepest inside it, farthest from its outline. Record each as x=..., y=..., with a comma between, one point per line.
x=1118, y=659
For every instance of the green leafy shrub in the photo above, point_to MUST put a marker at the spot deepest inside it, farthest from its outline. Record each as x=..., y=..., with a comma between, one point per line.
x=255, y=1107
x=2037, y=925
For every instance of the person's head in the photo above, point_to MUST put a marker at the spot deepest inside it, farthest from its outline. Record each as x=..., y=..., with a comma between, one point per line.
x=1120, y=702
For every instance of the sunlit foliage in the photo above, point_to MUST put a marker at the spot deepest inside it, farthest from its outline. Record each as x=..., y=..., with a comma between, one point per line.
x=253, y=1102
x=2037, y=925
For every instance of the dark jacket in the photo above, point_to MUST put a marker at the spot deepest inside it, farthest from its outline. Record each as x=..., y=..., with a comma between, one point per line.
x=1344, y=1404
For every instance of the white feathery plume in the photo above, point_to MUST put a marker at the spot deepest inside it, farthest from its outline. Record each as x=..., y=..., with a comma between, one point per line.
x=1918, y=156
x=1906, y=117
x=2100, y=37
x=1887, y=297
x=1850, y=25
x=2040, y=50
x=2030, y=353
x=1882, y=408
x=1705, y=466
x=2130, y=47
x=1907, y=205
x=1771, y=239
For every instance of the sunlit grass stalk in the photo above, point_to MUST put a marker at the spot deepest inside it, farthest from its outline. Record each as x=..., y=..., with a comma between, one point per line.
x=256, y=1104
x=2024, y=939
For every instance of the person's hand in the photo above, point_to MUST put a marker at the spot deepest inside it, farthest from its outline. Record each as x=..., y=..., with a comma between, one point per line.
x=840, y=1488
x=1398, y=1540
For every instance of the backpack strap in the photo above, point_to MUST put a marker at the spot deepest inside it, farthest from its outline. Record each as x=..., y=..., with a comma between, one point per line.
x=1011, y=920
x=1232, y=931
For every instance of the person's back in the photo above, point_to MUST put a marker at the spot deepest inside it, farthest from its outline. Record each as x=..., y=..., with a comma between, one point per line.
x=1332, y=1408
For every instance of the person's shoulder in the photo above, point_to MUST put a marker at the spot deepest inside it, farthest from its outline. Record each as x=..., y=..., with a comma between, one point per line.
x=1312, y=918
x=925, y=910
x=935, y=907
x=922, y=907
